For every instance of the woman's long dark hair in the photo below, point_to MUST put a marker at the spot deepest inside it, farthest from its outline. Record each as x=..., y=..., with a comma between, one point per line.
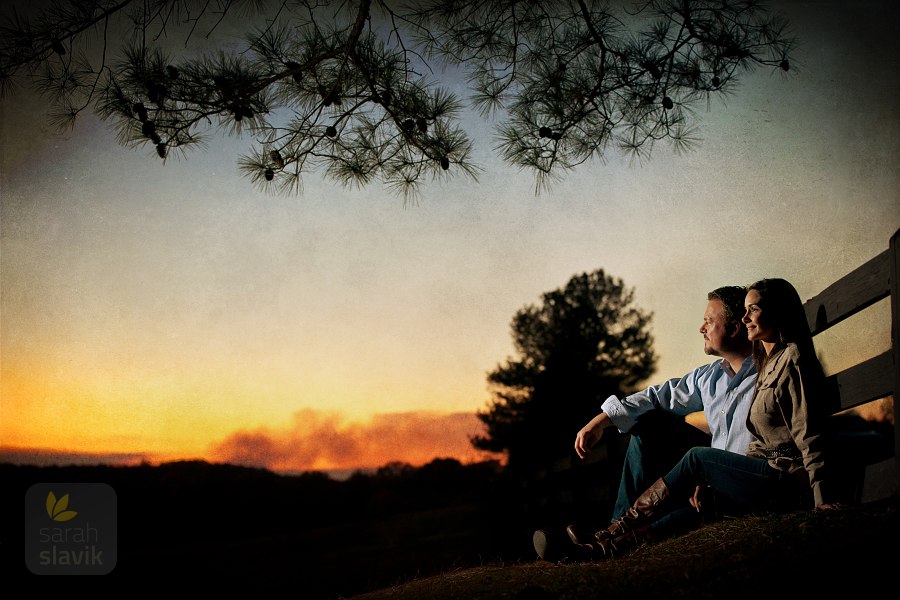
x=783, y=309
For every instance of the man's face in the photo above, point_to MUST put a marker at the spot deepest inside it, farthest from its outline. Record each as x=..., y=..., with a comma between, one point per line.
x=714, y=330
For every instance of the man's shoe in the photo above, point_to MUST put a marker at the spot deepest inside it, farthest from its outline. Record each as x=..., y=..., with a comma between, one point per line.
x=541, y=542
x=556, y=548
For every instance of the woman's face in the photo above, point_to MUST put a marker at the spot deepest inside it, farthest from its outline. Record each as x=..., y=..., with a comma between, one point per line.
x=758, y=327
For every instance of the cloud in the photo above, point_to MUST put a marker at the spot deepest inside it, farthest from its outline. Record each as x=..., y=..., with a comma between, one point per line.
x=320, y=440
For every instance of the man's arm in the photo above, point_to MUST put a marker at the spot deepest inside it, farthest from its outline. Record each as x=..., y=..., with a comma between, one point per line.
x=680, y=396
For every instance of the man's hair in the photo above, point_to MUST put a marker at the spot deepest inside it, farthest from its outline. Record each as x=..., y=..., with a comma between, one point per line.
x=732, y=296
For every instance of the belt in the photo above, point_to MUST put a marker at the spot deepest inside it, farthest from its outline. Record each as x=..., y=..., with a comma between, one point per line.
x=782, y=451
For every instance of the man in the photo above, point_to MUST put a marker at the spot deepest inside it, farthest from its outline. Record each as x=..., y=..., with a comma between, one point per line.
x=655, y=417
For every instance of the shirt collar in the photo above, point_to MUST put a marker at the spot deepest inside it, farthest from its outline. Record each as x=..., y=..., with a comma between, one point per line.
x=746, y=368
x=774, y=360
x=726, y=366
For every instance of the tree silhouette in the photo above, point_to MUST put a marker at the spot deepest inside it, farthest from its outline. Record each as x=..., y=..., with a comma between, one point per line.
x=584, y=342
x=350, y=89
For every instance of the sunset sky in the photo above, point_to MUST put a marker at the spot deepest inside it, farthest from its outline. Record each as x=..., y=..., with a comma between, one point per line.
x=170, y=310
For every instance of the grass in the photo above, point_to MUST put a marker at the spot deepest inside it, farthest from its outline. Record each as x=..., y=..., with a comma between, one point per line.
x=770, y=556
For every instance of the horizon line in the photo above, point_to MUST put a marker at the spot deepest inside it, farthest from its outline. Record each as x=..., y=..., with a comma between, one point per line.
x=46, y=457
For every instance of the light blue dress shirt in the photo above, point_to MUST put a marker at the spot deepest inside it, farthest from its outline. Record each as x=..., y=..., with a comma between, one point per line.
x=723, y=395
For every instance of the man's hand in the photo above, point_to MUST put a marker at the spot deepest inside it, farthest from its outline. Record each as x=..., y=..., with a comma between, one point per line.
x=590, y=434
x=586, y=439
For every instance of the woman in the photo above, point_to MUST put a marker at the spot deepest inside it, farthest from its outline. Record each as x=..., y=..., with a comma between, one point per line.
x=785, y=465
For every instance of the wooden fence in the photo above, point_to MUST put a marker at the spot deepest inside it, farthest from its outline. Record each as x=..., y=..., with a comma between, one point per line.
x=873, y=379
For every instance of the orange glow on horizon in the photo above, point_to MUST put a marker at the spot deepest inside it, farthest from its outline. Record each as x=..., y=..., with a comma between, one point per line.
x=316, y=441
x=167, y=410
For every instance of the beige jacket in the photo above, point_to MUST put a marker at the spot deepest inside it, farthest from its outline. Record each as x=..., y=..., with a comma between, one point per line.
x=787, y=418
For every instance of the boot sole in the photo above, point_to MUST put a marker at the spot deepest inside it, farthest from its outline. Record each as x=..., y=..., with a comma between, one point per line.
x=541, y=543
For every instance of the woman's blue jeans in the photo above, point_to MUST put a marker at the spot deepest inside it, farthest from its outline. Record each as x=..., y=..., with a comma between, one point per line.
x=743, y=484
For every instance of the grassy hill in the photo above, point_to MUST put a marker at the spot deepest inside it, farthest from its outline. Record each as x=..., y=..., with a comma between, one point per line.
x=854, y=552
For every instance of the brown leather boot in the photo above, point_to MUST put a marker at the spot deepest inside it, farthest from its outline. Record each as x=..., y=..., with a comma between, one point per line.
x=630, y=531
x=619, y=545
x=578, y=535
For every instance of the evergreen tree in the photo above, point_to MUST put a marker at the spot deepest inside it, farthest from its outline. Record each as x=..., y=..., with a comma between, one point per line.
x=352, y=89
x=581, y=344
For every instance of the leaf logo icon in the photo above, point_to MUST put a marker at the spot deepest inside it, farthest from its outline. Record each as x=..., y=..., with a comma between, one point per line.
x=59, y=509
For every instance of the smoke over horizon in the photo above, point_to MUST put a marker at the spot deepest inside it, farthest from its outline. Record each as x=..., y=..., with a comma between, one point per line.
x=319, y=440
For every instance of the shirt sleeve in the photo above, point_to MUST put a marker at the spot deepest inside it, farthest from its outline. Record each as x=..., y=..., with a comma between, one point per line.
x=679, y=396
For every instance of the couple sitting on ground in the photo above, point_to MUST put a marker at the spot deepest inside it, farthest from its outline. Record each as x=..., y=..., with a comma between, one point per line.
x=765, y=407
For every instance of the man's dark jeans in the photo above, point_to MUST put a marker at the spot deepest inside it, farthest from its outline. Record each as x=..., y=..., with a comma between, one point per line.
x=658, y=441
